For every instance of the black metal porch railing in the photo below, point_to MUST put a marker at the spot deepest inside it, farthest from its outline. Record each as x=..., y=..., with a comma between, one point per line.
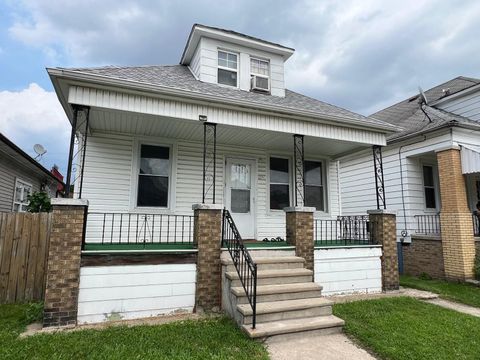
x=427, y=224
x=476, y=225
x=140, y=230
x=246, y=267
x=345, y=230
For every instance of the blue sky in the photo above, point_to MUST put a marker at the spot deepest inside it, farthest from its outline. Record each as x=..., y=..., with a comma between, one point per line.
x=361, y=55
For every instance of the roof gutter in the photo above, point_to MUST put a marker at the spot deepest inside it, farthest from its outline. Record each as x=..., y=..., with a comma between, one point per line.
x=104, y=80
x=448, y=125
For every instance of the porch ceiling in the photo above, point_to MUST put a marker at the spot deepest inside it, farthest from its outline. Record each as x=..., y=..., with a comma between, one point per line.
x=157, y=126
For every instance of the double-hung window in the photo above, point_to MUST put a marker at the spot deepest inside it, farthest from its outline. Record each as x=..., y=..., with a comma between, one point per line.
x=314, y=189
x=429, y=187
x=260, y=70
x=153, y=176
x=227, y=68
x=20, y=197
x=279, y=183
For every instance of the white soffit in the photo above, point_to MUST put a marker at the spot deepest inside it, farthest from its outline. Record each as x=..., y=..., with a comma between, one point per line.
x=470, y=159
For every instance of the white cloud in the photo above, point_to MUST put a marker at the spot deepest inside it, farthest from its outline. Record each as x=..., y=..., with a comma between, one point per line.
x=357, y=54
x=34, y=115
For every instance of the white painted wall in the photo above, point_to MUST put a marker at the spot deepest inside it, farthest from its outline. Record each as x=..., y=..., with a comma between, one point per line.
x=357, y=181
x=134, y=291
x=110, y=175
x=348, y=270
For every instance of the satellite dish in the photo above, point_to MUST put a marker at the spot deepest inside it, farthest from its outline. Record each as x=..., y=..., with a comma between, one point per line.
x=422, y=99
x=40, y=150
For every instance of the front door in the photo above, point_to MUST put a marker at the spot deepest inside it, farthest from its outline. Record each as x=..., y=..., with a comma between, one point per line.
x=240, y=195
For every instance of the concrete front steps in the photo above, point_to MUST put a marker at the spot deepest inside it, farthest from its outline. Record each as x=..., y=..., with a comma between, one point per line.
x=288, y=301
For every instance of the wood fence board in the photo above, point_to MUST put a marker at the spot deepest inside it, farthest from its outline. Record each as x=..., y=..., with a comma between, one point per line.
x=32, y=255
x=24, y=241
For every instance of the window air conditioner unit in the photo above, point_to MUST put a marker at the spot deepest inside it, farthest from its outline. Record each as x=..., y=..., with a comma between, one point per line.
x=259, y=83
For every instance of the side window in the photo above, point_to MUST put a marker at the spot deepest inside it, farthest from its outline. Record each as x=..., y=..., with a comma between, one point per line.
x=279, y=183
x=20, y=196
x=153, y=176
x=429, y=187
x=314, y=189
x=227, y=68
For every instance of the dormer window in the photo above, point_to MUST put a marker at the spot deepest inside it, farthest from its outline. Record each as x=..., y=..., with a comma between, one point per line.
x=227, y=68
x=260, y=74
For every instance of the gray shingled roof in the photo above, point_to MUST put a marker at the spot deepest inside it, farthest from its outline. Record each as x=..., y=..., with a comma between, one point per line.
x=179, y=77
x=407, y=114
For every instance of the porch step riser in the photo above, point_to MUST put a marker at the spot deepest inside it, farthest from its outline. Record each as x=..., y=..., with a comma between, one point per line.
x=278, y=280
x=287, y=315
x=272, y=266
x=282, y=296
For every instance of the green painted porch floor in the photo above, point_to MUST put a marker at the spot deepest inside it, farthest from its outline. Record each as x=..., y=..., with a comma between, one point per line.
x=191, y=246
x=112, y=247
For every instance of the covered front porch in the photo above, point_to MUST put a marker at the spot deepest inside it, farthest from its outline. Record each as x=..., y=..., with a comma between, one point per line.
x=143, y=172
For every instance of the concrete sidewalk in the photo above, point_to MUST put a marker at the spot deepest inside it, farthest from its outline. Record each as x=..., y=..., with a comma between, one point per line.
x=315, y=346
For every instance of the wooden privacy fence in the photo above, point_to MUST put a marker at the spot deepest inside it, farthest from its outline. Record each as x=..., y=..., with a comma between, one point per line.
x=24, y=239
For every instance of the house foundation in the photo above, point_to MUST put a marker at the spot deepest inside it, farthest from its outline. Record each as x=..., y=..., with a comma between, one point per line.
x=208, y=237
x=64, y=256
x=455, y=218
x=384, y=228
x=299, y=230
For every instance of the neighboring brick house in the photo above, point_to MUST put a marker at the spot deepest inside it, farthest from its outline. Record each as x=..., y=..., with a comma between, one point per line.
x=432, y=178
x=21, y=175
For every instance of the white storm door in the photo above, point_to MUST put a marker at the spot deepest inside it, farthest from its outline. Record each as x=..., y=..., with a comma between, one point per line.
x=240, y=195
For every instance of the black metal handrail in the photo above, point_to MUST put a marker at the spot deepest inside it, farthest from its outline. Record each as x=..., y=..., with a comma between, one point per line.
x=242, y=260
x=427, y=224
x=138, y=228
x=476, y=225
x=345, y=230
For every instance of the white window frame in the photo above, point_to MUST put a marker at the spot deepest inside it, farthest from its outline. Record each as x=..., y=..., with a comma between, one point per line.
x=435, y=187
x=324, y=185
x=229, y=69
x=171, y=178
x=268, y=77
x=290, y=183
x=14, y=202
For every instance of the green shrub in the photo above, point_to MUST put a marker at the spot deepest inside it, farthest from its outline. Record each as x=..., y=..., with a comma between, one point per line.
x=476, y=267
x=39, y=202
x=425, y=276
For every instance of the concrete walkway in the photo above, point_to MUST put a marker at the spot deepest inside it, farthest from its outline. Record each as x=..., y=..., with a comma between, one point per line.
x=466, y=309
x=315, y=346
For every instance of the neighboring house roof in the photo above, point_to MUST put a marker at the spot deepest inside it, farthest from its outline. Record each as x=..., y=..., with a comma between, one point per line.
x=179, y=77
x=408, y=115
x=13, y=151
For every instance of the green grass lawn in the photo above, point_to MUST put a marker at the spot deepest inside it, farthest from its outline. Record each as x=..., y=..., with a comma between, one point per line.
x=406, y=328
x=459, y=292
x=212, y=338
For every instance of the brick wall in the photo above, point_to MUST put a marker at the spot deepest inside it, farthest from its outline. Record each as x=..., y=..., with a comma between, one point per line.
x=424, y=255
x=477, y=247
x=385, y=233
x=63, y=272
x=207, y=235
x=299, y=230
x=456, y=220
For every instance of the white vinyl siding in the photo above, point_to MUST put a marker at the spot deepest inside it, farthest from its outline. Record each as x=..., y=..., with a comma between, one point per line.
x=175, y=109
x=109, y=293
x=9, y=171
x=108, y=183
x=357, y=181
x=467, y=106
